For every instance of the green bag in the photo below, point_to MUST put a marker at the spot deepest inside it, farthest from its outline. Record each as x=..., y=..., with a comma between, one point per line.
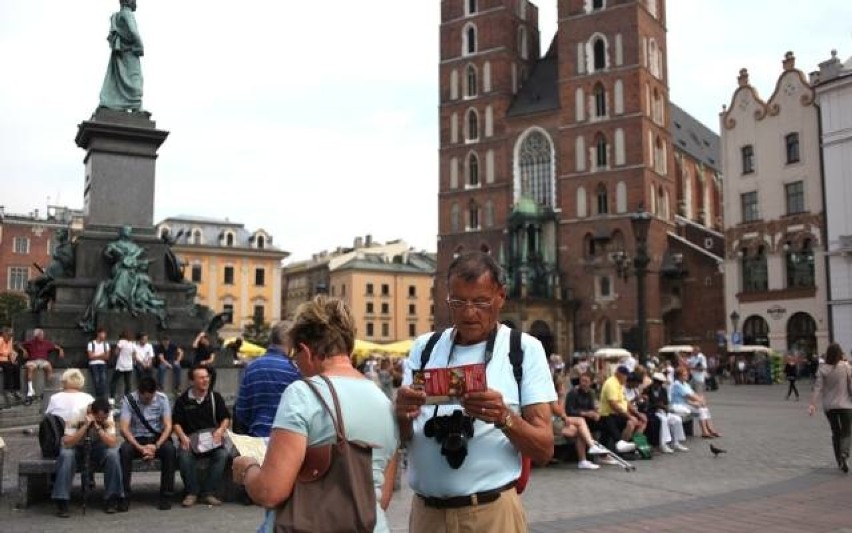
x=643, y=448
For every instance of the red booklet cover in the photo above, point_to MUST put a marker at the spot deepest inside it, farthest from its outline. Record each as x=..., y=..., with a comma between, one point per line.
x=447, y=385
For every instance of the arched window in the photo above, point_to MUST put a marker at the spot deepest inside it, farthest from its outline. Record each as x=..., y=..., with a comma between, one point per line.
x=652, y=7
x=469, y=40
x=454, y=128
x=600, y=151
x=472, y=125
x=454, y=173
x=470, y=91
x=473, y=170
x=486, y=77
x=472, y=215
x=229, y=239
x=603, y=199
x=653, y=58
x=600, y=100
x=455, y=217
x=800, y=264
x=196, y=236
x=581, y=202
x=522, y=42
x=660, y=162
x=755, y=331
x=261, y=242
x=535, y=164
x=621, y=197
x=454, y=84
x=599, y=54
x=801, y=334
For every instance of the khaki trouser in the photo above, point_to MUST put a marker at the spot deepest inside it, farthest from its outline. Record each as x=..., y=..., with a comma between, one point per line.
x=503, y=515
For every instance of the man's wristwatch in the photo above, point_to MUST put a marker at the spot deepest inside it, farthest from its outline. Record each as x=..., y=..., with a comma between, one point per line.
x=507, y=423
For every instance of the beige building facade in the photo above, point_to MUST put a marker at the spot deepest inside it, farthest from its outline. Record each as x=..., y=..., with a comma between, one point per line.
x=775, y=282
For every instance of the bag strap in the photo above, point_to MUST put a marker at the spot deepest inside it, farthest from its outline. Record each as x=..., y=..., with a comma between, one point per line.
x=135, y=407
x=337, y=421
x=430, y=345
x=516, y=357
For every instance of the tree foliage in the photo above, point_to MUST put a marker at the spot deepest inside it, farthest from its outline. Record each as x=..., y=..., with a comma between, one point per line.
x=11, y=304
x=257, y=331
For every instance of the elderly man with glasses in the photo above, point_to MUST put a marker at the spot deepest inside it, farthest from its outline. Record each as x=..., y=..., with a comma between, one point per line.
x=475, y=488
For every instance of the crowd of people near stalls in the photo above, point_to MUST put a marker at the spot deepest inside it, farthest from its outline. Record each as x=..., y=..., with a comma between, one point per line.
x=618, y=408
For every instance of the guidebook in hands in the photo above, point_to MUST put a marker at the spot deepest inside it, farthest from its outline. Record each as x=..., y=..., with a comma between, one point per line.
x=248, y=446
x=448, y=385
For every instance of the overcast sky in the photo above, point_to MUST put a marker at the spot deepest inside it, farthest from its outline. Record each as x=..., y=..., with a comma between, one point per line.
x=317, y=120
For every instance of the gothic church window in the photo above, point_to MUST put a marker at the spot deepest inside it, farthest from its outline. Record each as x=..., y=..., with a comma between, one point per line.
x=455, y=218
x=472, y=216
x=652, y=7
x=522, y=42
x=603, y=200
x=599, y=54
x=454, y=84
x=471, y=7
x=473, y=170
x=601, y=149
x=472, y=125
x=488, y=214
x=535, y=164
x=600, y=100
x=469, y=40
x=471, y=81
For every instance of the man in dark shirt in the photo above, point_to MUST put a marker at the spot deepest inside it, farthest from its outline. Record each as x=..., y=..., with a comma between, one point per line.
x=168, y=356
x=204, y=355
x=581, y=402
x=200, y=420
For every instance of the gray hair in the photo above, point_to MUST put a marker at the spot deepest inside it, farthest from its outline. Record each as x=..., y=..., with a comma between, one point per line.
x=278, y=333
x=472, y=265
x=38, y=332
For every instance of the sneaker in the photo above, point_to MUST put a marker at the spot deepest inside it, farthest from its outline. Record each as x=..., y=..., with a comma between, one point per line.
x=111, y=505
x=164, y=504
x=597, y=449
x=123, y=505
x=62, y=509
x=624, y=447
x=212, y=500
x=189, y=500
x=844, y=465
x=587, y=465
x=665, y=449
x=607, y=460
x=680, y=447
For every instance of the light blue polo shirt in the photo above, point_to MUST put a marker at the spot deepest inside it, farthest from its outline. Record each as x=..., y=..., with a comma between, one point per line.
x=492, y=461
x=680, y=392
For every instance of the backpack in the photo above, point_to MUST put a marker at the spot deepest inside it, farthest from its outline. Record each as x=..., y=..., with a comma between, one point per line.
x=643, y=448
x=51, y=429
x=516, y=357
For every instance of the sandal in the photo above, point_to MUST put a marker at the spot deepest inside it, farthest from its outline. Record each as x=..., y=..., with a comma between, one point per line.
x=710, y=436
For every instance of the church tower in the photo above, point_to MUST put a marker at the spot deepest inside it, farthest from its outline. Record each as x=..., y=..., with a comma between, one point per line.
x=488, y=48
x=616, y=160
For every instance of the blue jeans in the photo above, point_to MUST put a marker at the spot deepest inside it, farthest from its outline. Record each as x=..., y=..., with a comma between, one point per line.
x=215, y=470
x=99, y=380
x=176, y=373
x=102, y=457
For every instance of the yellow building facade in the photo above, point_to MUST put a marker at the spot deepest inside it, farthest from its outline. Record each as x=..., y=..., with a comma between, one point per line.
x=233, y=268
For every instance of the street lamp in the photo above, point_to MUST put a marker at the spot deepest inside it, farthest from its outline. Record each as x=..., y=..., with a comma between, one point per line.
x=641, y=222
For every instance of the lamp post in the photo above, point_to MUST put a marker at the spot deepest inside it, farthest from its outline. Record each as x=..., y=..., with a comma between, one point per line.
x=641, y=222
x=735, y=319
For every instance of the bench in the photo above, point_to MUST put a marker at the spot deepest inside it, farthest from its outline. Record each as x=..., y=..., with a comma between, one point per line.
x=34, y=478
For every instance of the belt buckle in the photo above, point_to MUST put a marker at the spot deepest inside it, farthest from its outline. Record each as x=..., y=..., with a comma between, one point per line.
x=474, y=499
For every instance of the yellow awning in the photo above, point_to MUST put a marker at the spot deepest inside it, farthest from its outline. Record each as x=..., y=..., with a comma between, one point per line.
x=398, y=348
x=247, y=349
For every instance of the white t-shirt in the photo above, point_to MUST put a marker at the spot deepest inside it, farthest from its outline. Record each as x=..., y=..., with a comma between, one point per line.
x=125, y=356
x=98, y=348
x=144, y=353
x=69, y=406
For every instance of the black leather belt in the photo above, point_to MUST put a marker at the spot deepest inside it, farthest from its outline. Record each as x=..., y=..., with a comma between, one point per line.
x=455, y=502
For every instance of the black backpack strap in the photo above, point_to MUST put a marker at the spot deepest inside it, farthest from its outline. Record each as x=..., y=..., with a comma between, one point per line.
x=138, y=412
x=516, y=357
x=430, y=345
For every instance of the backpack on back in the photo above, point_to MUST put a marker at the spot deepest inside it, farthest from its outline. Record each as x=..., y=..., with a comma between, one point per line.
x=51, y=429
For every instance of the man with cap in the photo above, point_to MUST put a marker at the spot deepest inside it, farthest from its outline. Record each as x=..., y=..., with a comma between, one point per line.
x=619, y=418
x=671, y=425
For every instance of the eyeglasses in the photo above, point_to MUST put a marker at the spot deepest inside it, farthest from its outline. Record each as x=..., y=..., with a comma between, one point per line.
x=478, y=304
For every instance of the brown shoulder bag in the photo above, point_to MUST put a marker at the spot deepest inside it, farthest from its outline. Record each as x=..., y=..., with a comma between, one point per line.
x=334, y=490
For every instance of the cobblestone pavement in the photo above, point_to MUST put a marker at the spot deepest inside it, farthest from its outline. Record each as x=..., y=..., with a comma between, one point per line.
x=779, y=474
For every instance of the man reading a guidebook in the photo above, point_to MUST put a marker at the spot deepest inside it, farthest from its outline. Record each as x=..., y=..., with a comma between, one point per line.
x=468, y=454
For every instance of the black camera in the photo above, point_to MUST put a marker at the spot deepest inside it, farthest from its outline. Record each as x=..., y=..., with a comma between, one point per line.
x=452, y=431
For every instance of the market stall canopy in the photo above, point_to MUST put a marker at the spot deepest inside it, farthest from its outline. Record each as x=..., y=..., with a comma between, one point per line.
x=247, y=349
x=398, y=347
x=365, y=348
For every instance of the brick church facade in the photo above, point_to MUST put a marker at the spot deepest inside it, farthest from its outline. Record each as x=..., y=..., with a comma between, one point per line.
x=545, y=157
